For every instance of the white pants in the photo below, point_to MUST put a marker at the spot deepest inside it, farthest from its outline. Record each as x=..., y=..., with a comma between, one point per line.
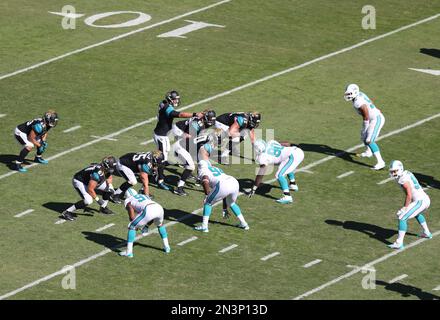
x=22, y=138
x=126, y=173
x=415, y=208
x=152, y=212
x=373, y=129
x=291, y=163
x=82, y=190
x=183, y=156
x=163, y=144
x=228, y=188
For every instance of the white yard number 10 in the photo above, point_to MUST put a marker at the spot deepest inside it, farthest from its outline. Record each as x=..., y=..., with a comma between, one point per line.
x=70, y=16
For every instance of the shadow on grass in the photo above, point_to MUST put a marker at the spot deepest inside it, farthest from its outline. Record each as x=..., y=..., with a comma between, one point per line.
x=191, y=220
x=59, y=207
x=263, y=190
x=427, y=181
x=407, y=290
x=111, y=242
x=431, y=52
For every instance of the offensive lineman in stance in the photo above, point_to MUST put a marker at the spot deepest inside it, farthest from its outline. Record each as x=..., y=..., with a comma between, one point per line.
x=87, y=181
x=142, y=212
x=32, y=134
x=416, y=202
x=283, y=154
x=218, y=186
x=373, y=121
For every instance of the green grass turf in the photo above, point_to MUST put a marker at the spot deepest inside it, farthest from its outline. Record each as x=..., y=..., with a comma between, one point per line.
x=119, y=84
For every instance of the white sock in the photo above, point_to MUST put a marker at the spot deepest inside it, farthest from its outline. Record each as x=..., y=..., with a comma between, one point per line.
x=400, y=237
x=378, y=156
x=181, y=183
x=425, y=227
x=118, y=192
x=105, y=203
x=129, y=247
x=205, y=222
x=165, y=242
x=242, y=221
x=71, y=208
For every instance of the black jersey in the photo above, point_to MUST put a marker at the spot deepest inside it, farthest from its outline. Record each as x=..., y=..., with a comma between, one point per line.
x=93, y=172
x=192, y=126
x=38, y=125
x=229, y=118
x=138, y=162
x=166, y=114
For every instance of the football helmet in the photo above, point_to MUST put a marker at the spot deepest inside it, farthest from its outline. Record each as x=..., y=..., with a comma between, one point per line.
x=158, y=158
x=396, y=169
x=351, y=92
x=109, y=164
x=51, y=118
x=259, y=146
x=173, y=98
x=254, y=119
x=209, y=118
x=128, y=194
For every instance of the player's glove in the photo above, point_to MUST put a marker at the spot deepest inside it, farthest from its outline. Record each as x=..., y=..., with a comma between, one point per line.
x=42, y=147
x=251, y=191
x=226, y=214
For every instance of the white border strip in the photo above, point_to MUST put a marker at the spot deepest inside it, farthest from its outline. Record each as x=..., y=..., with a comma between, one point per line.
x=105, y=227
x=312, y=263
x=187, y=241
x=396, y=279
x=385, y=181
x=72, y=129
x=3, y=115
x=124, y=35
x=23, y=213
x=345, y=174
x=270, y=256
x=228, y=248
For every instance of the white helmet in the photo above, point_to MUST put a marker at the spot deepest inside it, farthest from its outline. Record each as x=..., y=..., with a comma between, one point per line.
x=259, y=146
x=351, y=92
x=396, y=169
x=128, y=195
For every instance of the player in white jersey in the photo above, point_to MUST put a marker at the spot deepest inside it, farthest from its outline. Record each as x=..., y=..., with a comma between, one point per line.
x=142, y=212
x=373, y=121
x=416, y=202
x=287, y=158
x=217, y=186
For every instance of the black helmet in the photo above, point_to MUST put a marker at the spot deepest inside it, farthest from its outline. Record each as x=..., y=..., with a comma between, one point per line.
x=109, y=164
x=254, y=119
x=173, y=97
x=51, y=118
x=209, y=118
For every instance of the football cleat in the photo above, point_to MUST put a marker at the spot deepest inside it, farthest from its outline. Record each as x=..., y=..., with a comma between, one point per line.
x=167, y=249
x=379, y=166
x=425, y=235
x=163, y=186
x=41, y=160
x=226, y=214
x=285, y=199
x=125, y=254
x=179, y=191
x=105, y=210
x=67, y=215
x=201, y=228
x=294, y=187
x=20, y=168
x=366, y=154
x=243, y=226
x=115, y=199
x=396, y=245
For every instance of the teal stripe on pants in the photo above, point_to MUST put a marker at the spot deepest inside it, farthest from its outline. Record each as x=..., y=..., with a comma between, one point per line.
x=410, y=212
x=288, y=164
x=213, y=193
x=136, y=221
x=376, y=128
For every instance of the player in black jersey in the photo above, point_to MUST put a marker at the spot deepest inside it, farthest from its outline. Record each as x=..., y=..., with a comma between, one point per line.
x=133, y=165
x=165, y=116
x=235, y=125
x=32, y=134
x=96, y=177
x=189, y=139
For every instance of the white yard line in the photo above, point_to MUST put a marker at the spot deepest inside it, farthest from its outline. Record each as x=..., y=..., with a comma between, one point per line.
x=24, y=213
x=396, y=279
x=60, y=221
x=436, y=288
x=365, y=267
x=121, y=36
x=312, y=263
x=2, y=115
x=247, y=85
x=104, y=138
x=187, y=241
x=147, y=142
x=72, y=129
x=385, y=181
x=105, y=227
x=345, y=174
x=270, y=256
x=228, y=248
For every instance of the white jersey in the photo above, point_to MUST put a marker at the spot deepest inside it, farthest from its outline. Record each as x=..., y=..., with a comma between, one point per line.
x=139, y=202
x=275, y=153
x=214, y=174
x=416, y=189
x=362, y=99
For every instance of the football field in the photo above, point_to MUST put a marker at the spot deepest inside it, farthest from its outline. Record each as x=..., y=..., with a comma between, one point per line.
x=289, y=60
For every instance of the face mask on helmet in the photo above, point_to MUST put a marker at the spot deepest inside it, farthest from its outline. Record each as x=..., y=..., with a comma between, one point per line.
x=351, y=92
x=51, y=119
x=109, y=164
x=173, y=97
x=254, y=120
x=396, y=169
x=209, y=118
x=157, y=158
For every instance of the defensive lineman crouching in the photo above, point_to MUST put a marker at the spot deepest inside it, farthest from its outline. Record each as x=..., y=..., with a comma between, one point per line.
x=142, y=212
x=96, y=177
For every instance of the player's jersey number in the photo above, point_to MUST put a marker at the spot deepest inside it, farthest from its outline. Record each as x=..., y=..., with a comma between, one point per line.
x=215, y=171
x=274, y=150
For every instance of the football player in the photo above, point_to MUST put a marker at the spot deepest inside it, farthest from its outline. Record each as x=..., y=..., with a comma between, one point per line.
x=133, y=165
x=284, y=155
x=416, y=203
x=32, y=134
x=218, y=186
x=234, y=125
x=96, y=177
x=142, y=212
x=165, y=116
x=187, y=133
x=373, y=121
